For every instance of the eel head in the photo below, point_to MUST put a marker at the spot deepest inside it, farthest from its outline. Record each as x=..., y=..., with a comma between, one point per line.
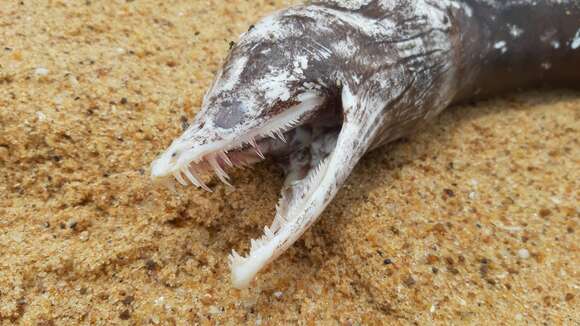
x=272, y=98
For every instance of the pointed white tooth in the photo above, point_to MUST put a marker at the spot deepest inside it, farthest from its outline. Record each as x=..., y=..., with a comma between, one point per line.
x=252, y=142
x=222, y=175
x=195, y=180
x=226, y=159
x=256, y=148
x=281, y=136
x=179, y=178
x=253, y=245
x=268, y=232
x=281, y=218
x=260, y=154
x=237, y=256
x=190, y=176
x=278, y=222
x=232, y=258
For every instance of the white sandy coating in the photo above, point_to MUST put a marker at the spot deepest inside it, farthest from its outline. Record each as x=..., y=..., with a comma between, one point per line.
x=575, y=43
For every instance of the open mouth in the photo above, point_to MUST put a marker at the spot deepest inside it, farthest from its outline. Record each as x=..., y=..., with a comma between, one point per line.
x=303, y=137
x=278, y=136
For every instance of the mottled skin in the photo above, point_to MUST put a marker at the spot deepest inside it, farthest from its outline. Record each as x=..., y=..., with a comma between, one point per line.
x=331, y=80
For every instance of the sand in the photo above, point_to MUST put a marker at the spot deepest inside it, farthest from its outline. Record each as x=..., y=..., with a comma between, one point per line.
x=473, y=220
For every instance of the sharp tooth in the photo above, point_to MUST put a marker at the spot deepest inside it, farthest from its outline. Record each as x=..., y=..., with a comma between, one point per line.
x=235, y=257
x=260, y=153
x=279, y=222
x=195, y=180
x=257, y=148
x=281, y=136
x=219, y=171
x=252, y=142
x=190, y=176
x=268, y=232
x=226, y=159
x=281, y=219
x=217, y=167
x=179, y=178
x=253, y=245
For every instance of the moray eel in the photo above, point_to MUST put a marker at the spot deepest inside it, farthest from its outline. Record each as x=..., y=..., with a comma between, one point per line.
x=317, y=86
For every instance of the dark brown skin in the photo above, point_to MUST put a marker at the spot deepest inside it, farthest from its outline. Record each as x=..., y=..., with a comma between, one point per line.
x=531, y=59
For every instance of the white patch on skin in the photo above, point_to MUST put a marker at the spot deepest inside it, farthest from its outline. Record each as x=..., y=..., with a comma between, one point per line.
x=501, y=45
x=555, y=44
x=459, y=5
x=575, y=43
x=233, y=76
x=345, y=48
x=546, y=65
x=352, y=4
x=515, y=31
x=434, y=16
x=303, y=61
x=300, y=64
x=275, y=86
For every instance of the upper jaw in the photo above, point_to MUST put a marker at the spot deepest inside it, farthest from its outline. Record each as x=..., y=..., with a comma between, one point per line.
x=188, y=159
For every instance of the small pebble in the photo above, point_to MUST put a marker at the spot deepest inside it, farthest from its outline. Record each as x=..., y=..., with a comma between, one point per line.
x=278, y=294
x=17, y=237
x=41, y=71
x=159, y=301
x=84, y=236
x=71, y=224
x=155, y=319
x=73, y=81
x=524, y=253
x=214, y=310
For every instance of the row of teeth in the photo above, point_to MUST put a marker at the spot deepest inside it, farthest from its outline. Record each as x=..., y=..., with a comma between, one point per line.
x=279, y=221
x=194, y=177
x=255, y=244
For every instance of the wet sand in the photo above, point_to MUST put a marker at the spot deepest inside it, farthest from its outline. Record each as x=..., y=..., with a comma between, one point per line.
x=473, y=220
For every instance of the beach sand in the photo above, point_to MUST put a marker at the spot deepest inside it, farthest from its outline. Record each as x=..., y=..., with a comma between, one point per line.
x=472, y=220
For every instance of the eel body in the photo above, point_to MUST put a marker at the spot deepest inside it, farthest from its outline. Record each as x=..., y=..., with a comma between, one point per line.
x=319, y=85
